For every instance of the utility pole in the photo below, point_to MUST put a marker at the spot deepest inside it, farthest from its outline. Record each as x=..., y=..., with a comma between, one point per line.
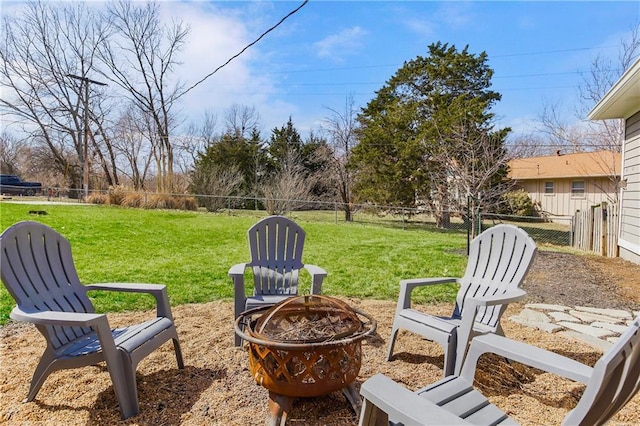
x=85, y=117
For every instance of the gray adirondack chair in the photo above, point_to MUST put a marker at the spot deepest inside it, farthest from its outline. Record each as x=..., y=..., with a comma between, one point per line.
x=38, y=271
x=275, y=245
x=499, y=259
x=611, y=383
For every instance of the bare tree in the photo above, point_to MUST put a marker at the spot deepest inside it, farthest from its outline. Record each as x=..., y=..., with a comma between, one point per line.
x=582, y=135
x=529, y=145
x=12, y=154
x=140, y=57
x=342, y=127
x=41, y=47
x=241, y=120
x=601, y=135
x=560, y=134
x=606, y=134
x=131, y=136
x=197, y=137
x=288, y=189
x=469, y=171
x=214, y=184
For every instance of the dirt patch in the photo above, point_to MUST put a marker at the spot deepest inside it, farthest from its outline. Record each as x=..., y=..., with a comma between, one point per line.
x=216, y=387
x=584, y=280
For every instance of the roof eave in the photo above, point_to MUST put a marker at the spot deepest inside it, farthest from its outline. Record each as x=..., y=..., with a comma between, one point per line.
x=622, y=100
x=566, y=177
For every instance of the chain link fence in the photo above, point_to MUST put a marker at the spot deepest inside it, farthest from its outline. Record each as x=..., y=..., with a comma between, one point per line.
x=551, y=230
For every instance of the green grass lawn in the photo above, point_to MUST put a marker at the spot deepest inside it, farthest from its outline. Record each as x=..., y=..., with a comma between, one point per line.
x=191, y=253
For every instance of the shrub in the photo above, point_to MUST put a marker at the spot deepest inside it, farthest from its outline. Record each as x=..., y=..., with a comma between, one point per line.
x=186, y=203
x=133, y=200
x=518, y=203
x=97, y=198
x=116, y=194
x=159, y=201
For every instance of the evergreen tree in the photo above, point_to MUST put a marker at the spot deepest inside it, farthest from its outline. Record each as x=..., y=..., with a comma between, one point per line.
x=424, y=120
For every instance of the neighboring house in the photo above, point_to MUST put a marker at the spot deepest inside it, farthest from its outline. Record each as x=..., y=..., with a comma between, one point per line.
x=623, y=101
x=563, y=183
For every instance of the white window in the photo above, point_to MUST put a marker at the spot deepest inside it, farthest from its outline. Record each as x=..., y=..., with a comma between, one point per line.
x=577, y=188
x=548, y=188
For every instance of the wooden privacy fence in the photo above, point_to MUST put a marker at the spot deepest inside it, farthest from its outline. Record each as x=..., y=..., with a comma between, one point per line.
x=596, y=230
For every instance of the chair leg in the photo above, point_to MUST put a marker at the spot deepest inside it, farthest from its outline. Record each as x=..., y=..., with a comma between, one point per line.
x=43, y=370
x=127, y=379
x=392, y=341
x=176, y=347
x=450, y=356
x=370, y=415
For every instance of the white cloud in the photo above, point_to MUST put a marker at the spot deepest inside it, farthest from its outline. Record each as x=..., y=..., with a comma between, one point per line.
x=336, y=46
x=455, y=14
x=422, y=27
x=215, y=36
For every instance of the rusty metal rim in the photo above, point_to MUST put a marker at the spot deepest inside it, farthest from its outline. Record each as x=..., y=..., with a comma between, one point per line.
x=368, y=329
x=338, y=306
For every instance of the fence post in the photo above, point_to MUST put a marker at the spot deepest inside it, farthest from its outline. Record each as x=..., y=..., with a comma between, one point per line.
x=335, y=209
x=571, y=231
x=605, y=229
x=469, y=219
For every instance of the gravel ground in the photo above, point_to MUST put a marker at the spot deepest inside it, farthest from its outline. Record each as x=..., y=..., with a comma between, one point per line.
x=216, y=387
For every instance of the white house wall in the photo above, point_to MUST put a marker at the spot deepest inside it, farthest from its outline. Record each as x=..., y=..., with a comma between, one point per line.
x=562, y=202
x=629, y=239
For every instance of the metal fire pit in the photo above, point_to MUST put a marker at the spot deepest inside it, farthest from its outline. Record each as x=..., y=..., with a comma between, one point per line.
x=305, y=346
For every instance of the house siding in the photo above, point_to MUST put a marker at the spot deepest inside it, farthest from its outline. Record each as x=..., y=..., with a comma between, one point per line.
x=562, y=202
x=629, y=240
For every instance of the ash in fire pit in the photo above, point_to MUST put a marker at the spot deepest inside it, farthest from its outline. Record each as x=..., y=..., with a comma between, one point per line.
x=308, y=319
x=305, y=346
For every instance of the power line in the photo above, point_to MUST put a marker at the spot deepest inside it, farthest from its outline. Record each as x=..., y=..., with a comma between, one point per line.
x=544, y=52
x=245, y=48
x=396, y=65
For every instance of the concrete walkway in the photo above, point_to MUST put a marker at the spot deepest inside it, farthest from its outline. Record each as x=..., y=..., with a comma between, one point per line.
x=594, y=326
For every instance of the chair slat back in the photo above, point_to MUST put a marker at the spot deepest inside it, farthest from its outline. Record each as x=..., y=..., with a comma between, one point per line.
x=499, y=259
x=38, y=271
x=276, y=245
x=615, y=380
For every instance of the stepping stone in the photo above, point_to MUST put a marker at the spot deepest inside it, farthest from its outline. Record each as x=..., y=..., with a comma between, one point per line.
x=546, y=307
x=549, y=327
x=612, y=339
x=590, y=317
x=531, y=315
x=563, y=316
x=615, y=313
x=586, y=329
x=590, y=340
x=616, y=328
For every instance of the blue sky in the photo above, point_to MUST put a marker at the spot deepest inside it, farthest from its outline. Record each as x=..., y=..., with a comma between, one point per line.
x=332, y=49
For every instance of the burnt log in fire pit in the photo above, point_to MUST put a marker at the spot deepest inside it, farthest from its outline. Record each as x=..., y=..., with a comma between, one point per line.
x=305, y=346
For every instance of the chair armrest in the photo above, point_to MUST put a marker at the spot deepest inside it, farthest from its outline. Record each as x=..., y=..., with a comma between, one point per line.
x=72, y=319
x=524, y=353
x=317, y=276
x=236, y=272
x=381, y=394
x=407, y=286
x=127, y=287
x=158, y=291
x=237, y=269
